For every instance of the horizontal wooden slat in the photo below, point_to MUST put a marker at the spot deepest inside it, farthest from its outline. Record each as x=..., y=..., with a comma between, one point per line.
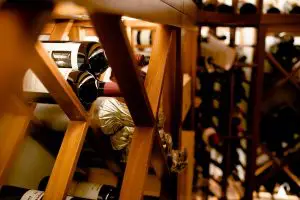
x=280, y=19
x=120, y=57
x=137, y=164
x=69, y=10
x=164, y=13
x=214, y=18
x=46, y=70
x=134, y=23
x=66, y=161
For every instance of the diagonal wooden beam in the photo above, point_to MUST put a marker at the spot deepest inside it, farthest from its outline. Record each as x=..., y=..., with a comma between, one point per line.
x=61, y=29
x=11, y=137
x=163, y=47
x=160, y=58
x=282, y=70
x=22, y=24
x=13, y=129
x=113, y=36
x=137, y=164
x=66, y=161
x=45, y=68
x=153, y=84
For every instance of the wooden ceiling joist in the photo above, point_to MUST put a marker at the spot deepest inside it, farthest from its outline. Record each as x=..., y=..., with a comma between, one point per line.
x=157, y=11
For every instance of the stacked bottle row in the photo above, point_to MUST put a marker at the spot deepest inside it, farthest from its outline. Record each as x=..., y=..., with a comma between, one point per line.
x=212, y=114
x=280, y=130
x=289, y=7
x=86, y=69
x=79, y=189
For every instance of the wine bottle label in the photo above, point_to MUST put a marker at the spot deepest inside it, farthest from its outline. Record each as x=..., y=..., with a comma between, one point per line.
x=87, y=190
x=65, y=55
x=33, y=195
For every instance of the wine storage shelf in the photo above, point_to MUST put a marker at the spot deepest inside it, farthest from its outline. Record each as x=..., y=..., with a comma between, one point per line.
x=25, y=21
x=274, y=21
x=265, y=24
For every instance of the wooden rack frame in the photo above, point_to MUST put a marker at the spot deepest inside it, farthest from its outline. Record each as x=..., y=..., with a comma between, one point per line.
x=265, y=24
x=25, y=22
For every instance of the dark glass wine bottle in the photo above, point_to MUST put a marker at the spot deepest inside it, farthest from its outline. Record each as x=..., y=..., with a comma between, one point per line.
x=17, y=193
x=295, y=10
x=210, y=7
x=87, y=190
x=279, y=126
x=273, y=10
x=224, y=8
x=83, y=56
x=285, y=52
x=211, y=138
x=248, y=8
x=87, y=87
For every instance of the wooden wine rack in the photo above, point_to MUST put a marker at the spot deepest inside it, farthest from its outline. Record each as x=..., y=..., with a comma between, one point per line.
x=265, y=24
x=25, y=21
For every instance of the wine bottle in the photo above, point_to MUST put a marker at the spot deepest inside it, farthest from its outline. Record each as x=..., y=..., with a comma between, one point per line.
x=144, y=37
x=295, y=10
x=285, y=52
x=210, y=7
x=141, y=60
x=211, y=138
x=279, y=126
x=273, y=10
x=248, y=8
x=224, y=8
x=17, y=193
x=70, y=56
x=87, y=87
x=84, y=56
x=88, y=190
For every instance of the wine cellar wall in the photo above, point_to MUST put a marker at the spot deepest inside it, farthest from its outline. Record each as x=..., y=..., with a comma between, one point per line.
x=247, y=139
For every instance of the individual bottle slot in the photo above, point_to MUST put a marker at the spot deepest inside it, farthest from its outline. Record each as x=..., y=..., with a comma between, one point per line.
x=248, y=8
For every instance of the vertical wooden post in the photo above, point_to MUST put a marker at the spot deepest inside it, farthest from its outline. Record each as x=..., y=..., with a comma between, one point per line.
x=259, y=5
x=254, y=113
x=76, y=34
x=176, y=121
